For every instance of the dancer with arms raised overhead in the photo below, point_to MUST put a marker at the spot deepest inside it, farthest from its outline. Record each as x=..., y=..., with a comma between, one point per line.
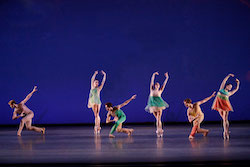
x=94, y=101
x=155, y=102
x=222, y=104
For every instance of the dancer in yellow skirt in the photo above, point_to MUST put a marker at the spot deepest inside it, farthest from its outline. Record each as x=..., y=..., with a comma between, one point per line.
x=94, y=101
x=196, y=116
x=155, y=102
x=222, y=104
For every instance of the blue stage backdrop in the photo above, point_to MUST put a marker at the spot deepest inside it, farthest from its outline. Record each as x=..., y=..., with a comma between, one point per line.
x=57, y=45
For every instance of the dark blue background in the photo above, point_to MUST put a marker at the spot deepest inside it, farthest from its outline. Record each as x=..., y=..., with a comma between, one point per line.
x=57, y=45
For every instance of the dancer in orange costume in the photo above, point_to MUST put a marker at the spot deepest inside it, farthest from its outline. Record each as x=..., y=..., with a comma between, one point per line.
x=196, y=116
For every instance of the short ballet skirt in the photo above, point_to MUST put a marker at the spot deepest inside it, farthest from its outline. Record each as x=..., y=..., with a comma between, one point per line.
x=155, y=103
x=93, y=98
x=221, y=102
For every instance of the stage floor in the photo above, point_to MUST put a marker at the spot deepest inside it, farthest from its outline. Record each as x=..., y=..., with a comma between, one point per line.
x=79, y=145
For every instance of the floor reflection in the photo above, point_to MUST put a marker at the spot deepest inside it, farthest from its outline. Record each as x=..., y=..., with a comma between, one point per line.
x=119, y=143
x=28, y=144
x=98, y=142
x=198, y=142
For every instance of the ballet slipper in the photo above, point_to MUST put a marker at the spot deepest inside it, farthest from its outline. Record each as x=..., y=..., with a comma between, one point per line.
x=205, y=133
x=130, y=132
x=191, y=137
x=111, y=136
x=43, y=131
x=224, y=135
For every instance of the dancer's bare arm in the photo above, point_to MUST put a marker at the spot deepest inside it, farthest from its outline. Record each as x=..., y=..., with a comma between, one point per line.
x=103, y=80
x=15, y=116
x=190, y=117
x=236, y=89
x=206, y=99
x=165, y=82
x=153, y=80
x=225, y=80
x=108, y=119
x=29, y=95
x=93, y=79
x=126, y=102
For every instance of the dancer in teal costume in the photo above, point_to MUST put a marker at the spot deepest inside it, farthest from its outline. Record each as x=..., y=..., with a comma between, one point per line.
x=94, y=101
x=155, y=102
x=119, y=117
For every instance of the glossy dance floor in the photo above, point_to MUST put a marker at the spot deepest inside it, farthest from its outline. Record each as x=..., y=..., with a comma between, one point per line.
x=77, y=145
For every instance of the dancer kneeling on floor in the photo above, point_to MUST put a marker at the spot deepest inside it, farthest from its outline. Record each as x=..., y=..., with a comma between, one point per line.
x=119, y=117
x=21, y=110
x=196, y=116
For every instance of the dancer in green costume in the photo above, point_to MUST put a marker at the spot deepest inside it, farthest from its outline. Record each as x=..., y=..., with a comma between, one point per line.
x=94, y=101
x=155, y=102
x=119, y=117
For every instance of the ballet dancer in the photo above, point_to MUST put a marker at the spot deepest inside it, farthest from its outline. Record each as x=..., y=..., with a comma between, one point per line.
x=155, y=102
x=222, y=104
x=196, y=116
x=22, y=111
x=119, y=117
x=94, y=101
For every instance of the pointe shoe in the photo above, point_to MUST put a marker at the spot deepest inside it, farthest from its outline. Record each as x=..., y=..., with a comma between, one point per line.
x=158, y=133
x=225, y=136
x=99, y=130
x=161, y=133
x=19, y=134
x=43, y=131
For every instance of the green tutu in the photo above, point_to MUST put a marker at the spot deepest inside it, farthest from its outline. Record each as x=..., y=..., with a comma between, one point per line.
x=94, y=98
x=156, y=101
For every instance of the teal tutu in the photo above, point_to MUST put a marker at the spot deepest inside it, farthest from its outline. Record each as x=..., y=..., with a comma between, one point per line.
x=93, y=98
x=155, y=101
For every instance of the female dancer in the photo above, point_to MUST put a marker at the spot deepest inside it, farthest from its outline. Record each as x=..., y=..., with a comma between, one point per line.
x=119, y=117
x=155, y=103
x=21, y=110
x=222, y=104
x=94, y=101
x=196, y=116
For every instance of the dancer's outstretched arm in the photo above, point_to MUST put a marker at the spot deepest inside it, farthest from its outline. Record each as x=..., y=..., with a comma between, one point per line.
x=29, y=95
x=225, y=80
x=206, y=99
x=165, y=82
x=153, y=80
x=103, y=80
x=126, y=102
x=93, y=79
x=236, y=89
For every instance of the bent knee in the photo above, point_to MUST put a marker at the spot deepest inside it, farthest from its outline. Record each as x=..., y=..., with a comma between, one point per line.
x=29, y=128
x=118, y=130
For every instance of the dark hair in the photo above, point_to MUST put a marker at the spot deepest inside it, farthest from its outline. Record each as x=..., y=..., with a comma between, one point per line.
x=188, y=100
x=109, y=104
x=228, y=84
x=115, y=108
